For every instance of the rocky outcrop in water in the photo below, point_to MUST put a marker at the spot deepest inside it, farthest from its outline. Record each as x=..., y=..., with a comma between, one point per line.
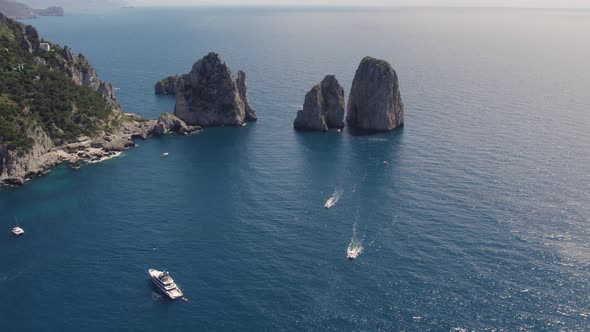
x=169, y=124
x=375, y=103
x=323, y=107
x=243, y=91
x=166, y=86
x=209, y=95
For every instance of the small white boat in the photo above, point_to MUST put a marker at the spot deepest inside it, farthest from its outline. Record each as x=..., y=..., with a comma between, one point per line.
x=339, y=130
x=385, y=163
x=165, y=154
x=165, y=283
x=18, y=231
x=353, y=252
x=333, y=199
x=355, y=248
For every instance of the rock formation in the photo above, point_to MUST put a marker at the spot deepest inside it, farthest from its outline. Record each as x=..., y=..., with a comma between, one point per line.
x=166, y=86
x=168, y=124
x=323, y=107
x=243, y=91
x=209, y=95
x=77, y=68
x=374, y=103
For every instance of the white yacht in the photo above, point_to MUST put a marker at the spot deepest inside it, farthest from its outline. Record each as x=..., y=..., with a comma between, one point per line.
x=18, y=231
x=165, y=283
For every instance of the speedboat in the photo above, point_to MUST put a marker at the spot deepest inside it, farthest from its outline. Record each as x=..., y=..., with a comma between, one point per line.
x=18, y=231
x=354, y=249
x=329, y=203
x=165, y=154
x=165, y=283
x=350, y=254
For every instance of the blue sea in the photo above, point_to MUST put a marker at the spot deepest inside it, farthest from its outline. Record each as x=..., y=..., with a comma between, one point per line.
x=479, y=220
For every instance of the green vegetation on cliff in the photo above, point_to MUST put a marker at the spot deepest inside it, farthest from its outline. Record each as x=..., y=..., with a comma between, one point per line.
x=36, y=92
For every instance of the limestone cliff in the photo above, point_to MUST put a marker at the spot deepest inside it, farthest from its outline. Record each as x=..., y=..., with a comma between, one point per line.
x=375, y=103
x=79, y=70
x=210, y=96
x=243, y=91
x=323, y=107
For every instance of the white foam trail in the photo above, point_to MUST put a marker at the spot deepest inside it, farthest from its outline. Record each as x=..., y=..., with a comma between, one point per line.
x=115, y=155
x=355, y=247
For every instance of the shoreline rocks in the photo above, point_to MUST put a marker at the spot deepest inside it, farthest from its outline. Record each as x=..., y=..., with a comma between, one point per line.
x=16, y=168
x=374, y=102
x=209, y=95
x=323, y=107
x=169, y=124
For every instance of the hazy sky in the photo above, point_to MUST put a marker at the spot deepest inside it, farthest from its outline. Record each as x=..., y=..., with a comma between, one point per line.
x=512, y=3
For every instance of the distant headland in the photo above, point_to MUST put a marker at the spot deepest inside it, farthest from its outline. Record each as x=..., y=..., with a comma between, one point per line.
x=18, y=10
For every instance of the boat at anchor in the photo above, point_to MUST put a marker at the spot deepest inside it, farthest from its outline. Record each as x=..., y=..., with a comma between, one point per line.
x=165, y=283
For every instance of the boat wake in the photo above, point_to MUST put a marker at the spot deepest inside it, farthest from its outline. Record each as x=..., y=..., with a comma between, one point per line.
x=333, y=199
x=355, y=247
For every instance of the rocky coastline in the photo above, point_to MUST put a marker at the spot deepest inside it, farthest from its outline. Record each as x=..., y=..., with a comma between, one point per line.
x=16, y=168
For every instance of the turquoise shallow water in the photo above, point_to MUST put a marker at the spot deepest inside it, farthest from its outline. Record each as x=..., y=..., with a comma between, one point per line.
x=479, y=220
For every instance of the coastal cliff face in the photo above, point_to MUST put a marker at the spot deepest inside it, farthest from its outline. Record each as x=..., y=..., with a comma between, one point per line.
x=55, y=109
x=323, y=107
x=375, y=103
x=79, y=70
x=16, y=165
x=243, y=91
x=209, y=95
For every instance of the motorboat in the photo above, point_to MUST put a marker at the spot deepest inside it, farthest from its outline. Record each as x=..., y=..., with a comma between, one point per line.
x=18, y=231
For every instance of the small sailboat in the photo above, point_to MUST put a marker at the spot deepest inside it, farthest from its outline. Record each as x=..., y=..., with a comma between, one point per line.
x=18, y=231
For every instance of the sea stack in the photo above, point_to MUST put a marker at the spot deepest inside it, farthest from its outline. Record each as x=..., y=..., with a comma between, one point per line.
x=209, y=95
x=323, y=107
x=166, y=86
x=375, y=103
